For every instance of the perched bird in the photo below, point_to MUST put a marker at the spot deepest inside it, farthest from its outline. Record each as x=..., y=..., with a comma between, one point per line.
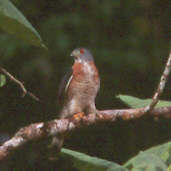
x=79, y=87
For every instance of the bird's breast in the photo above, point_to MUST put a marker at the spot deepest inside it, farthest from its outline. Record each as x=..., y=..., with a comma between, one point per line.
x=84, y=84
x=85, y=72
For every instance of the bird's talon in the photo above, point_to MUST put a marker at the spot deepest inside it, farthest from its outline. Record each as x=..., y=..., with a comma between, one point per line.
x=78, y=116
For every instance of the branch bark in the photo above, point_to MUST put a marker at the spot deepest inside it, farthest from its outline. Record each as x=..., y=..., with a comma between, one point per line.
x=57, y=127
x=161, y=85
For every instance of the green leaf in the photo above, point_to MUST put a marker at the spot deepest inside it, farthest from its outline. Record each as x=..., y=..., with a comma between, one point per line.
x=135, y=102
x=84, y=162
x=2, y=80
x=163, y=151
x=147, y=162
x=169, y=168
x=155, y=158
x=13, y=22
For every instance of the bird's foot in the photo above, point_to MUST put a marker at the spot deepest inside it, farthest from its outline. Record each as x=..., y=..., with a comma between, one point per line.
x=78, y=116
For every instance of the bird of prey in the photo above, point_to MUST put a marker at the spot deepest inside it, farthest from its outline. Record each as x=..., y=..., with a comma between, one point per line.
x=79, y=88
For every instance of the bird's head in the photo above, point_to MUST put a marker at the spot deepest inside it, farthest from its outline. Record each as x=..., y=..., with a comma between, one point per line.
x=82, y=54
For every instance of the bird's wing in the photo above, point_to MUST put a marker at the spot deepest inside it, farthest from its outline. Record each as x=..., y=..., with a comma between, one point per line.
x=63, y=86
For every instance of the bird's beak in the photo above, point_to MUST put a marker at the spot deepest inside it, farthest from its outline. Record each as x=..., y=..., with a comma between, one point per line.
x=75, y=54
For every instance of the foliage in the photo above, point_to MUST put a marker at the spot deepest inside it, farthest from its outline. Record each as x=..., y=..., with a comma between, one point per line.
x=84, y=162
x=13, y=21
x=129, y=42
x=135, y=102
x=2, y=80
x=153, y=159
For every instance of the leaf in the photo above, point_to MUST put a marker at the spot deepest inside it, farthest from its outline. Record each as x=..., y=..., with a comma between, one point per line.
x=145, y=161
x=13, y=22
x=2, y=80
x=169, y=168
x=148, y=162
x=135, y=102
x=84, y=162
x=163, y=151
x=155, y=158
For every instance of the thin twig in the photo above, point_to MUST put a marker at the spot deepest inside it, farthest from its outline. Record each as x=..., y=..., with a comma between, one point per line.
x=12, y=78
x=161, y=85
x=40, y=130
x=32, y=95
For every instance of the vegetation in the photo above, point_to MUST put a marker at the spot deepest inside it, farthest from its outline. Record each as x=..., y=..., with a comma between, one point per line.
x=130, y=42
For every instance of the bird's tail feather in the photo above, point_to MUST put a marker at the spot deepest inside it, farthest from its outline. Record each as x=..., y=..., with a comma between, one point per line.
x=55, y=147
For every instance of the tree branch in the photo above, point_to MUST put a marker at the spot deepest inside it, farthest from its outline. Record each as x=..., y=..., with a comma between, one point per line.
x=161, y=85
x=55, y=127
x=12, y=78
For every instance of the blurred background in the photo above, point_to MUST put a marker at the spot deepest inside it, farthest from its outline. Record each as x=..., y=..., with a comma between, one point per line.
x=130, y=43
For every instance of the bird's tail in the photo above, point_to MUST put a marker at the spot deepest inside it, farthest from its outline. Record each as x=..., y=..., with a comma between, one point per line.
x=55, y=147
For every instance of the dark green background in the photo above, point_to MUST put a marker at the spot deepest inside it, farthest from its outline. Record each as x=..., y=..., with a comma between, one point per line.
x=130, y=43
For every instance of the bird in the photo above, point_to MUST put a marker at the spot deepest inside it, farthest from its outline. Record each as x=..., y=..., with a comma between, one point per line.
x=78, y=88
x=80, y=85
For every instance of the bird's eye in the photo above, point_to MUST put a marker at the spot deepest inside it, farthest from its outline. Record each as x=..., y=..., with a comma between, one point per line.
x=81, y=51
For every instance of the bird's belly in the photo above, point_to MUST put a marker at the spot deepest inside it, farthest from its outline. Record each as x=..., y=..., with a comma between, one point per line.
x=85, y=90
